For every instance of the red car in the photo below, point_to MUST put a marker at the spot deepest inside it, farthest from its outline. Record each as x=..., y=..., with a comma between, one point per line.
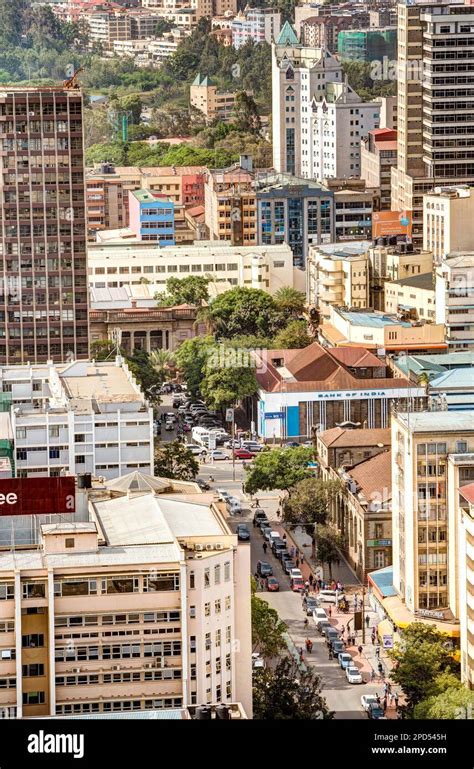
x=243, y=454
x=272, y=585
x=297, y=585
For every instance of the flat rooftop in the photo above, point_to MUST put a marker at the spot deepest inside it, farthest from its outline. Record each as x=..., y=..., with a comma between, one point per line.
x=438, y=422
x=372, y=319
x=104, y=383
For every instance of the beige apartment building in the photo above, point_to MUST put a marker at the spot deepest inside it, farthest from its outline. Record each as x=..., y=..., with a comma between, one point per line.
x=145, y=606
x=413, y=297
x=455, y=299
x=392, y=263
x=231, y=206
x=448, y=221
x=421, y=445
x=105, y=200
x=461, y=510
x=378, y=154
x=214, y=104
x=337, y=275
x=433, y=67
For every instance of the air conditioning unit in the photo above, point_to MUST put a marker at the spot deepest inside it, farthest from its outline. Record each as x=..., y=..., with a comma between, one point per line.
x=149, y=665
x=219, y=546
x=209, y=547
x=116, y=667
x=199, y=547
x=76, y=670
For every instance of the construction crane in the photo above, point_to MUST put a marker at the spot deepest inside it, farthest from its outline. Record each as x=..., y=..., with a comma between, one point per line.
x=71, y=82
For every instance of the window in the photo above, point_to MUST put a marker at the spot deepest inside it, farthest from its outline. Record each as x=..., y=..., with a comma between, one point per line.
x=54, y=453
x=80, y=459
x=217, y=574
x=34, y=590
x=69, y=542
x=207, y=578
x=192, y=612
x=80, y=438
x=21, y=432
x=192, y=583
x=217, y=606
x=228, y=662
x=208, y=641
x=218, y=637
x=29, y=671
x=207, y=609
x=7, y=592
x=227, y=602
x=121, y=585
x=192, y=644
x=461, y=447
x=227, y=571
x=228, y=634
x=54, y=431
x=31, y=641
x=33, y=698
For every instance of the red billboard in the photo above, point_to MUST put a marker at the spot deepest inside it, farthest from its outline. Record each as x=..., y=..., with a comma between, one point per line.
x=37, y=496
x=390, y=223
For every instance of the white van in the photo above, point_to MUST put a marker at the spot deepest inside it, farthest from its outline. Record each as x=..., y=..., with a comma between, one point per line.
x=274, y=535
x=319, y=615
x=233, y=506
x=329, y=596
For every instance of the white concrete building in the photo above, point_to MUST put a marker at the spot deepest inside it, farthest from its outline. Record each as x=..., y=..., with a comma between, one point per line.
x=318, y=120
x=338, y=275
x=455, y=299
x=119, y=263
x=255, y=25
x=80, y=417
x=448, y=221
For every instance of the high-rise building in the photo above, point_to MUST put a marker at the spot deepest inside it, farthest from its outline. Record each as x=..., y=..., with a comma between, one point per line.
x=44, y=300
x=455, y=299
x=435, y=103
x=318, y=119
x=421, y=445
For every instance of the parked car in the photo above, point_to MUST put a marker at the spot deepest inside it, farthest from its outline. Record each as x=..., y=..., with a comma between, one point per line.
x=297, y=585
x=296, y=573
x=319, y=615
x=323, y=627
x=331, y=635
x=353, y=675
x=217, y=455
x=367, y=700
x=345, y=660
x=194, y=449
x=243, y=534
x=278, y=544
x=264, y=569
x=375, y=711
x=223, y=495
x=252, y=446
x=279, y=550
x=309, y=604
x=288, y=566
x=203, y=485
x=233, y=506
x=259, y=515
x=329, y=596
x=291, y=445
x=273, y=585
x=337, y=648
x=265, y=530
x=243, y=454
x=285, y=556
x=169, y=426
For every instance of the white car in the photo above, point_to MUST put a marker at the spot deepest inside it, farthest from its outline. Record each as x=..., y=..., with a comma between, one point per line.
x=169, y=426
x=223, y=495
x=217, y=455
x=345, y=660
x=353, y=675
x=194, y=449
x=367, y=700
x=295, y=574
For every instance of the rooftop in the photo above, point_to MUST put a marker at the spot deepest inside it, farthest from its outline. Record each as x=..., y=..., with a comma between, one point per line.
x=383, y=580
x=371, y=319
x=424, y=281
x=374, y=477
x=337, y=437
x=468, y=493
x=454, y=379
x=340, y=250
x=102, y=382
x=438, y=422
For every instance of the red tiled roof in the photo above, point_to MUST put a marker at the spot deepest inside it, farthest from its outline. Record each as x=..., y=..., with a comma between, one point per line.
x=468, y=493
x=338, y=437
x=357, y=357
x=374, y=476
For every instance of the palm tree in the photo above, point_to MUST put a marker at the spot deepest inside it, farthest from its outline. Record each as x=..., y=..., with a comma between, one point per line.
x=424, y=381
x=290, y=301
x=162, y=361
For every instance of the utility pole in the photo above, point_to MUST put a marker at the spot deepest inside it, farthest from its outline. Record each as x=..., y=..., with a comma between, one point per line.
x=363, y=614
x=233, y=444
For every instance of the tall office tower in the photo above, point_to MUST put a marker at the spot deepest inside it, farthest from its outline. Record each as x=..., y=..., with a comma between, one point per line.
x=43, y=294
x=318, y=119
x=435, y=103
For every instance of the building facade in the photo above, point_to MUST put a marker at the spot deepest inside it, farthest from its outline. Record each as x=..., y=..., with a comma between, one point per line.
x=44, y=307
x=230, y=206
x=205, y=97
x=378, y=154
x=151, y=217
x=448, y=221
x=337, y=275
x=455, y=299
x=256, y=25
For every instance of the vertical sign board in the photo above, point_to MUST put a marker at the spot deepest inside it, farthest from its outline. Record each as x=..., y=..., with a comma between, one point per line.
x=37, y=496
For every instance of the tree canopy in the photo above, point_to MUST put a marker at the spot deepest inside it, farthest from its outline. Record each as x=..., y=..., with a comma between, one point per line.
x=278, y=469
x=293, y=337
x=226, y=385
x=267, y=629
x=191, y=359
x=175, y=460
x=309, y=500
x=193, y=289
x=287, y=693
x=329, y=543
x=244, y=311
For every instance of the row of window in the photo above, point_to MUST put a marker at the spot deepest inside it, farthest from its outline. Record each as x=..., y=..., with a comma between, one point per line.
x=120, y=633
x=110, y=585
x=207, y=576
x=117, y=619
x=96, y=679
x=121, y=651
x=107, y=707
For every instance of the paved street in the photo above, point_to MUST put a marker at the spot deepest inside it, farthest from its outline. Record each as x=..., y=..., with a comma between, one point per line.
x=343, y=698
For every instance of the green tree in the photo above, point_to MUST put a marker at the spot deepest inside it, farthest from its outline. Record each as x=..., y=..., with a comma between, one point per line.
x=245, y=115
x=194, y=289
x=293, y=337
x=244, y=311
x=191, y=359
x=287, y=693
x=309, y=501
x=453, y=701
x=419, y=659
x=290, y=301
x=133, y=105
x=162, y=361
x=175, y=460
x=328, y=546
x=227, y=385
x=267, y=629
x=278, y=469
x=149, y=379
x=102, y=349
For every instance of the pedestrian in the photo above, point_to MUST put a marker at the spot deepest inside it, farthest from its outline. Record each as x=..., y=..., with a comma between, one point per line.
x=284, y=537
x=330, y=653
x=372, y=676
x=307, y=644
x=302, y=558
x=390, y=699
x=329, y=611
x=320, y=582
x=360, y=650
x=301, y=654
x=311, y=580
x=377, y=698
x=377, y=652
x=384, y=705
x=310, y=646
x=395, y=697
x=380, y=669
x=264, y=547
x=306, y=585
x=297, y=563
x=292, y=552
x=367, y=621
x=306, y=623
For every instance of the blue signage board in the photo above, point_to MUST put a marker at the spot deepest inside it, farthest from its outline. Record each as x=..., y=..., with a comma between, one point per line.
x=274, y=415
